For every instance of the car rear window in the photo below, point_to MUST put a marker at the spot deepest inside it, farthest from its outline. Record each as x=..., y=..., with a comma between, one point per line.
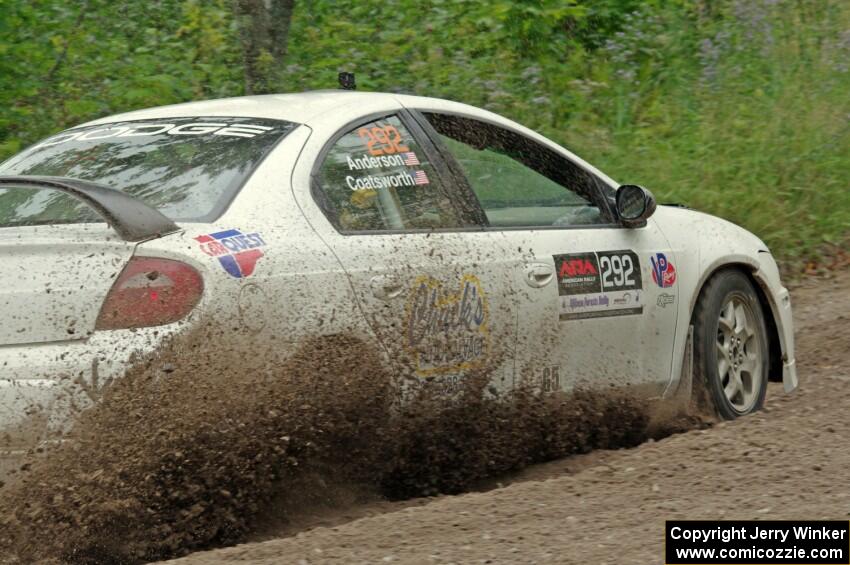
x=377, y=177
x=188, y=168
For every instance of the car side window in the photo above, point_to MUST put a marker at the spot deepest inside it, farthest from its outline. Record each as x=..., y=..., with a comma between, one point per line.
x=519, y=182
x=376, y=177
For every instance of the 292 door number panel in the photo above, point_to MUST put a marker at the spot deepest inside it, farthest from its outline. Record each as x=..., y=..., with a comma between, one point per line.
x=618, y=270
x=599, y=284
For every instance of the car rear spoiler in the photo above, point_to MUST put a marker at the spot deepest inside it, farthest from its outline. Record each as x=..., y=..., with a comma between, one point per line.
x=133, y=219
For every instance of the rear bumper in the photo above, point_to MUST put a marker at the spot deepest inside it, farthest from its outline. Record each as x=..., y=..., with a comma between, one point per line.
x=43, y=387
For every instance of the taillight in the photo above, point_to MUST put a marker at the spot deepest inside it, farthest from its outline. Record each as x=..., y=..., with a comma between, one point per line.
x=150, y=292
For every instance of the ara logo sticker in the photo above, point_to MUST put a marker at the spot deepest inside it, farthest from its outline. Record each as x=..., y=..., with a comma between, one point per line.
x=663, y=272
x=577, y=273
x=237, y=252
x=577, y=267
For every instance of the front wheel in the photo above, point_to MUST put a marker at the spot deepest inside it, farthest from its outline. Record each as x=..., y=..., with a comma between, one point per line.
x=730, y=345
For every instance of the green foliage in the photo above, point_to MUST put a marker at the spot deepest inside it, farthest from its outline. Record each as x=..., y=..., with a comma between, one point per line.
x=64, y=63
x=750, y=122
x=736, y=107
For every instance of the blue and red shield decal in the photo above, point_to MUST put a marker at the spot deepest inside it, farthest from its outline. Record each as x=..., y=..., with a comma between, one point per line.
x=663, y=272
x=237, y=252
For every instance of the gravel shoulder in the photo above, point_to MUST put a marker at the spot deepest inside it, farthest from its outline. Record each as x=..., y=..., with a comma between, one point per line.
x=789, y=462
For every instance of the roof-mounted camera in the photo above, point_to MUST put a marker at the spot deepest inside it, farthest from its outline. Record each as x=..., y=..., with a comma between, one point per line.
x=346, y=81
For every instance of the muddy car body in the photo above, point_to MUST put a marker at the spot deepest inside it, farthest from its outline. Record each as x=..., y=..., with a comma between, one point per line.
x=449, y=238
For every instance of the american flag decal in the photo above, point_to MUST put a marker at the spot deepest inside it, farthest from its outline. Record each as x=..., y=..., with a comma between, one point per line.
x=419, y=177
x=410, y=158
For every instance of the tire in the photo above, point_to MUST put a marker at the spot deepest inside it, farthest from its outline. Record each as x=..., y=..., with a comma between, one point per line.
x=731, y=352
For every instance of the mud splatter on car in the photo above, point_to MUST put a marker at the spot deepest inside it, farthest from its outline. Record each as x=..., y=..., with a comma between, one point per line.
x=171, y=462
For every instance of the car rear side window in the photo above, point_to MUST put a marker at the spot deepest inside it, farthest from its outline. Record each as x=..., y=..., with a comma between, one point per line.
x=519, y=182
x=188, y=168
x=376, y=177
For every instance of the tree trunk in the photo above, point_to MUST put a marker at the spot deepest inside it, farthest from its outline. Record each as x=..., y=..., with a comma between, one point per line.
x=264, y=31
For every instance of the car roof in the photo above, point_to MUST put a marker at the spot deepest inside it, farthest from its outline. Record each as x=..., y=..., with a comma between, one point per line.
x=297, y=107
x=307, y=107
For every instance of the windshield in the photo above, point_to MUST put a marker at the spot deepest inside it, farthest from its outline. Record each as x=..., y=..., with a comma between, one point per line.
x=187, y=168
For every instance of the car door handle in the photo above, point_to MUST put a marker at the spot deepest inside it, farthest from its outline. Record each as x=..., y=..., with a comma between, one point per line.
x=386, y=287
x=538, y=275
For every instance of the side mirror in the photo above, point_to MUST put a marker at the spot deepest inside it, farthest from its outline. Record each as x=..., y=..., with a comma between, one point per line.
x=634, y=205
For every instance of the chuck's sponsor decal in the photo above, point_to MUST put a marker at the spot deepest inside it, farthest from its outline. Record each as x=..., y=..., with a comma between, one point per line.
x=237, y=252
x=663, y=272
x=446, y=328
x=597, y=284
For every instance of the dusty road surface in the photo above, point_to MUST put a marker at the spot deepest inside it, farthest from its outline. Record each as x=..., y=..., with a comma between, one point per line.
x=791, y=461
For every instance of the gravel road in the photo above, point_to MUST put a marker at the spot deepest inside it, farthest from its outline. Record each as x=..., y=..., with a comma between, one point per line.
x=792, y=461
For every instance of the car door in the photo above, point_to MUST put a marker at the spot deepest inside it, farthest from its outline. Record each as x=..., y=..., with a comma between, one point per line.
x=597, y=302
x=435, y=288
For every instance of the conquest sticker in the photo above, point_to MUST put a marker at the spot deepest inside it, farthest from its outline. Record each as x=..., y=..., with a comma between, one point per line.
x=447, y=327
x=593, y=285
x=663, y=272
x=237, y=252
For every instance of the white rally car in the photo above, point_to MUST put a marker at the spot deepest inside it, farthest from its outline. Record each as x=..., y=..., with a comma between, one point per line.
x=448, y=238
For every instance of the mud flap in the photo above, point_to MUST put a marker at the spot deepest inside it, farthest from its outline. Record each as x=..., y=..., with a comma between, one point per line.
x=682, y=398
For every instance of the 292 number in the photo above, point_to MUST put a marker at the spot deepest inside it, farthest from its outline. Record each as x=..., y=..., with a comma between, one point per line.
x=382, y=140
x=617, y=271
